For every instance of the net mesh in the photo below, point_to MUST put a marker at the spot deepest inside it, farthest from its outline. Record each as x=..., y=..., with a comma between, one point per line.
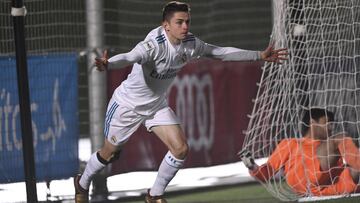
x=322, y=37
x=57, y=28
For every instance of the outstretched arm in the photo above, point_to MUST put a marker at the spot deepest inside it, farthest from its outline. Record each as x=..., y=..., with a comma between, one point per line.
x=118, y=61
x=235, y=54
x=275, y=162
x=230, y=53
x=261, y=173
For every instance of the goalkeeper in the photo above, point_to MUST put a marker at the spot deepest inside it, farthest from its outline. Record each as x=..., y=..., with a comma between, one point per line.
x=141, y=98
x=313, y=164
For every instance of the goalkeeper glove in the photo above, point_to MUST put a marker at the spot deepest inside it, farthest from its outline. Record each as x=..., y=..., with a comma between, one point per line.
x=246, y=158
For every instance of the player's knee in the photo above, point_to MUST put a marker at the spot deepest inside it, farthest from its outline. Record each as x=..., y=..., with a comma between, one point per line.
x=109, y=152
x=104, y=154
x=108, y=159
x=181, y=151
x=115, y=156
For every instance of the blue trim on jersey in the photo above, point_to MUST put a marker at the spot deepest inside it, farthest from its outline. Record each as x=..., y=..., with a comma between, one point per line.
x=160, y=36
x=159, y=42
x=109, y=116
x=160, y=39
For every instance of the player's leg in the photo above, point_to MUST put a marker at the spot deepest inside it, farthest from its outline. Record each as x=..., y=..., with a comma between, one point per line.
x=166, y=126
x=120, y=123
x=97, y=162
x=173, y=137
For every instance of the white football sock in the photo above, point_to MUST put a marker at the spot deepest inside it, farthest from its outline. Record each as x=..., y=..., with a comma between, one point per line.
x=93, y=166
x=167, y=170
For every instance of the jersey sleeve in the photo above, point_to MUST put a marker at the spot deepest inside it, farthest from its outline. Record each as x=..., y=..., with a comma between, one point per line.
x=262, y=173
x=148, y=50
x=275, y=162
x=141, y=53
x=225, y=53
x=199, y=48
x=281, y=154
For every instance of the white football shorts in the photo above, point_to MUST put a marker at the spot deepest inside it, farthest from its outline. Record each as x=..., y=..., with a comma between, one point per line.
x=122, y=121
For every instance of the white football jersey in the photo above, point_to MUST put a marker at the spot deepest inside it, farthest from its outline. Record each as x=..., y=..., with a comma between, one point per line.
x=158, y=62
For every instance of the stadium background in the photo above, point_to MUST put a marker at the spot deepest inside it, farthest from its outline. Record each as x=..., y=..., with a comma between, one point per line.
x=56, y=35
x=60, y=26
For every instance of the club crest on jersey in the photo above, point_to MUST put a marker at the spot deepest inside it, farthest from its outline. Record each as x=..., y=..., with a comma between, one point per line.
x=113, y=139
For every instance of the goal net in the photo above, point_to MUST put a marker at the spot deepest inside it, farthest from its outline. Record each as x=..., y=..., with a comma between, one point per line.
x=323, y=40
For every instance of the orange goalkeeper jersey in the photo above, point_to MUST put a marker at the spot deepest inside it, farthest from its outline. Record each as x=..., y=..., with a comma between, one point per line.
x=300, y=163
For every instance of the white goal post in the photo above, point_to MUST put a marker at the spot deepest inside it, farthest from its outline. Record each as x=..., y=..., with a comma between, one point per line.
x=323, y=40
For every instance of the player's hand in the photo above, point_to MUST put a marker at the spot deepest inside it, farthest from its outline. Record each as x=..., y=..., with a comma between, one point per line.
x=102, y=63
x=274, y=55
x=246, y=158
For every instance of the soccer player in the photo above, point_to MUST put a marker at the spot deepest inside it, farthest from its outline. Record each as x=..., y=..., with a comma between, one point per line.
x=313, y=164
x=141, y=98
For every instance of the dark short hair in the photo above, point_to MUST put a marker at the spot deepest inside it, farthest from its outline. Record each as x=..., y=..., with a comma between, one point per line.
x=315, y=114
x=172, y=7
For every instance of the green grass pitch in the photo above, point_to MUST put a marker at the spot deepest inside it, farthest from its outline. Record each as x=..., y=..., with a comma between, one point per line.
x=246, y=193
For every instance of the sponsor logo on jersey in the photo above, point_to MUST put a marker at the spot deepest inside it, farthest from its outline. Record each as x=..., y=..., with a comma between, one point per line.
x=170, y=73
